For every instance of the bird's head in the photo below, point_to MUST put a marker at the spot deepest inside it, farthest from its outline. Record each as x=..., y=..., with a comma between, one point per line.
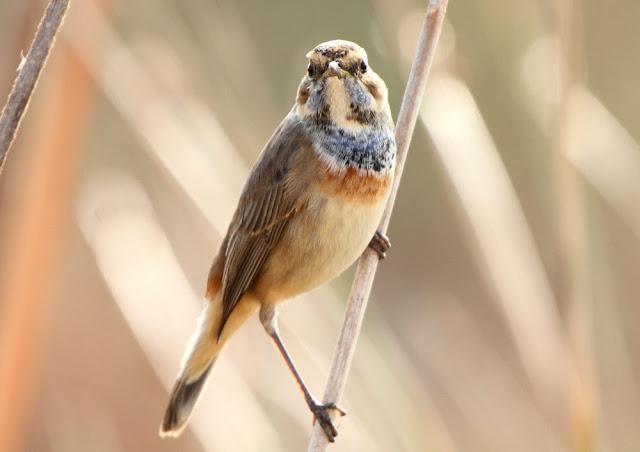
x=341, y=88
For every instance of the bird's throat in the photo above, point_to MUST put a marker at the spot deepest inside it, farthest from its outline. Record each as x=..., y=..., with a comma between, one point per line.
x=371, y=148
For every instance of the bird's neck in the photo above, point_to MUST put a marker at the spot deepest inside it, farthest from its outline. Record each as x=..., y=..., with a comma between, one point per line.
x=370, y=149
x=346, y=128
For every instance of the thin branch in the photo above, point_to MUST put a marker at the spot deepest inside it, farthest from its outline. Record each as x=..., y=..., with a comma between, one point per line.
x=28, y=73
x=366, y=269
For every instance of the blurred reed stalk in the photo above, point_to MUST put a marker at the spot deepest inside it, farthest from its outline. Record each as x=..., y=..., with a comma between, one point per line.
x=164, y=124
x=573, y=253
x=30, y=257
x=34, y=237
x=594, y=132
x=500, y=236
x=31, y=241
x=28, y=73
x=368, y=263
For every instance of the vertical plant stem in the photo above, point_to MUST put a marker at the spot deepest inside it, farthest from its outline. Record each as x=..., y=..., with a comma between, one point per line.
x=368, y=263
x=34, y=239
x=33, y=244
x=28, y=73
x=573, y=292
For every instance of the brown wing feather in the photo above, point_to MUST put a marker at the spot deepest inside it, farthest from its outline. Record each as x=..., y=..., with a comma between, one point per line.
x=272, y=195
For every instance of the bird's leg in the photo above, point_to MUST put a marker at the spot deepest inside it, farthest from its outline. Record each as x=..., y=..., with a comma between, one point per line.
x=269, y=320
x=380, y=244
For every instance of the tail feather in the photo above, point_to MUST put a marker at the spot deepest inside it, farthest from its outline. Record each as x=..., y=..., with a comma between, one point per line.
x=200, y=357
x=183, y=399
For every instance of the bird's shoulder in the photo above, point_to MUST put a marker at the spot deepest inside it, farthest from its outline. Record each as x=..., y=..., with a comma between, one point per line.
x=279, y=178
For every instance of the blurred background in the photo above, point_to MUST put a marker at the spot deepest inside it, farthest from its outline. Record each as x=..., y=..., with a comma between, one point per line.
x=504, y=318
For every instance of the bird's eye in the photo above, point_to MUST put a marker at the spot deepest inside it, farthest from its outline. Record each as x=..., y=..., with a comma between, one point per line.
x=363, y=66
x=310, y=70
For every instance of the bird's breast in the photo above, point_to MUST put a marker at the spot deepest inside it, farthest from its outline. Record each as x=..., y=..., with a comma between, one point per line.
x=352, y=184
x=319, y=243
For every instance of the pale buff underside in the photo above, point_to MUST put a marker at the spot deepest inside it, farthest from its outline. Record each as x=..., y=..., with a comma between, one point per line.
x=321, y=242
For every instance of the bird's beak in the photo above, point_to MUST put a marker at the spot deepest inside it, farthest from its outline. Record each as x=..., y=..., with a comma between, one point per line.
x=335, y=69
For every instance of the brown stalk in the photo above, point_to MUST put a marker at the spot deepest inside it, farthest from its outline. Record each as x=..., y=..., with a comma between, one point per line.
x=29, y=257
x=368, y=263
x=34, y=238
x=28, y=73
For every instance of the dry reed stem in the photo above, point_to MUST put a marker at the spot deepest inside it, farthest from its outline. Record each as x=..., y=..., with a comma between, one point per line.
x=500, y=236
x=33, y=244
x=574, y=267
x=368, y=263
x=28, y=73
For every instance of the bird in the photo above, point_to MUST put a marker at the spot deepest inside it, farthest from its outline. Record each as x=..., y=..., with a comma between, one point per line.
x=309, y=208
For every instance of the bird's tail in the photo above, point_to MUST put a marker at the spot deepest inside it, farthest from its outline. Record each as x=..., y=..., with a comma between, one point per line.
x=202, y=352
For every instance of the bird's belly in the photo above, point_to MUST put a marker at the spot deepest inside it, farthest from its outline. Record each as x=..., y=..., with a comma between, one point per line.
x=319, y=244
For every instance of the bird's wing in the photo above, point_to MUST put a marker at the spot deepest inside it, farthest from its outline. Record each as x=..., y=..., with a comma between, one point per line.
x=271, y=197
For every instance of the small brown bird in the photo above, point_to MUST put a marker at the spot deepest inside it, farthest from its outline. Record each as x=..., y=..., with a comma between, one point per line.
x=309, y=209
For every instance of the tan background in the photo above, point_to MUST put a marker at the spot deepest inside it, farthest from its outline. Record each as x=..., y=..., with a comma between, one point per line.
x=504, y=319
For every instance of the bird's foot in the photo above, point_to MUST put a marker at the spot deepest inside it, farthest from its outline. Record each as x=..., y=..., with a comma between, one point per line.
x=380, y=244
x=322, y=413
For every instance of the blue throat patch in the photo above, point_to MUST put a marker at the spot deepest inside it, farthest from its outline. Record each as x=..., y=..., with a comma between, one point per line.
x=371, y=148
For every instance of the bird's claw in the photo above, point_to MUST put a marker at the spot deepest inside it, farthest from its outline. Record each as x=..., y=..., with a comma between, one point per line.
x=380, y=244
x=322, y=414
